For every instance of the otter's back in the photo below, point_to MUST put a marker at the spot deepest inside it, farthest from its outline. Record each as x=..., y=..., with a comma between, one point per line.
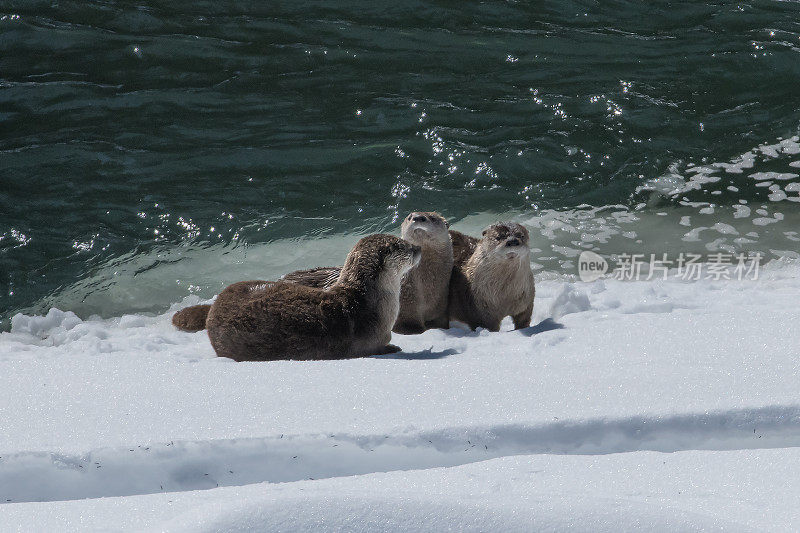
x=320, y=277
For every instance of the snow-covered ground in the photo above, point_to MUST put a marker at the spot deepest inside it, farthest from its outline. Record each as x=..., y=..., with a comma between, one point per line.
x=652, y=405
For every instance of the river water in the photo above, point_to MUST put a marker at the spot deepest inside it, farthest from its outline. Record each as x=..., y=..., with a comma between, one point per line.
x=152, y=150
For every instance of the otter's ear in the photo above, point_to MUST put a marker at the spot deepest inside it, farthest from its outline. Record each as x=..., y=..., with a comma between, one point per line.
x=446, y=224
x=484, y=232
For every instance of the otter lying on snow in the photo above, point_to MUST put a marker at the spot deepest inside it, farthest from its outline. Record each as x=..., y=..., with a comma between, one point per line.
x=423, y=298
x=492, y=277
x=264, y=321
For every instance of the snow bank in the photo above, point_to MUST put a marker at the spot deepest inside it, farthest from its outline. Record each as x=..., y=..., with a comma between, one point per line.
x=614, y=379
x=751, y=490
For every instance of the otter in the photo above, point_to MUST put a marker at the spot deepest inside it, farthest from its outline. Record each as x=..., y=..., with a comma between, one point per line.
x=492, y=277
x=423, y=298
x=266, y=321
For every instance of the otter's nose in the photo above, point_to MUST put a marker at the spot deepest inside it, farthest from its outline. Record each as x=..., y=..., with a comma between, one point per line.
x=512, y=242
x=419, y=218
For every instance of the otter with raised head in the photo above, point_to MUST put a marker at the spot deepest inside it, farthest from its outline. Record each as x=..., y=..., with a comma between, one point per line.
x=492, y=277
x=266, y=321
x=423, y=298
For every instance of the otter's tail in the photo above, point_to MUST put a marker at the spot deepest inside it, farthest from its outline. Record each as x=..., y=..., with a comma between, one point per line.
x=191, y=318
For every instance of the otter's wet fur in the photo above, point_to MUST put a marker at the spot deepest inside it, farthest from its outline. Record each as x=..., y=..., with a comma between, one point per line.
x=265, y=321
x=492, y=277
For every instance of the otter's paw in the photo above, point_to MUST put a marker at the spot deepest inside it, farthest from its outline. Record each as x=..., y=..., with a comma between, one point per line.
x=389, y=348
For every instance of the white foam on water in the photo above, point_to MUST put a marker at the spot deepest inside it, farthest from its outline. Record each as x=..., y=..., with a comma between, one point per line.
x=773, y=175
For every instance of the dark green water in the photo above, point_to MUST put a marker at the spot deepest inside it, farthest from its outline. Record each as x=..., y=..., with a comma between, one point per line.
x=149, y=150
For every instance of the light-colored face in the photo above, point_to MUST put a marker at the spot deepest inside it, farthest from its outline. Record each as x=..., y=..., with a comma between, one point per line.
x=507, y=240
x=420, y=226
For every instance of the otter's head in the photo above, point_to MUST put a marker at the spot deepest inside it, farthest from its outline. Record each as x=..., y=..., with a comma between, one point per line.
x=380, y=259
x=421, y=226
x=506, y=241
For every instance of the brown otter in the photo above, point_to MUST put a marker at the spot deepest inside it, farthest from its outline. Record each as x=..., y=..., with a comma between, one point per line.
x=492, y=277
x=423, y=298
x=264, y=321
